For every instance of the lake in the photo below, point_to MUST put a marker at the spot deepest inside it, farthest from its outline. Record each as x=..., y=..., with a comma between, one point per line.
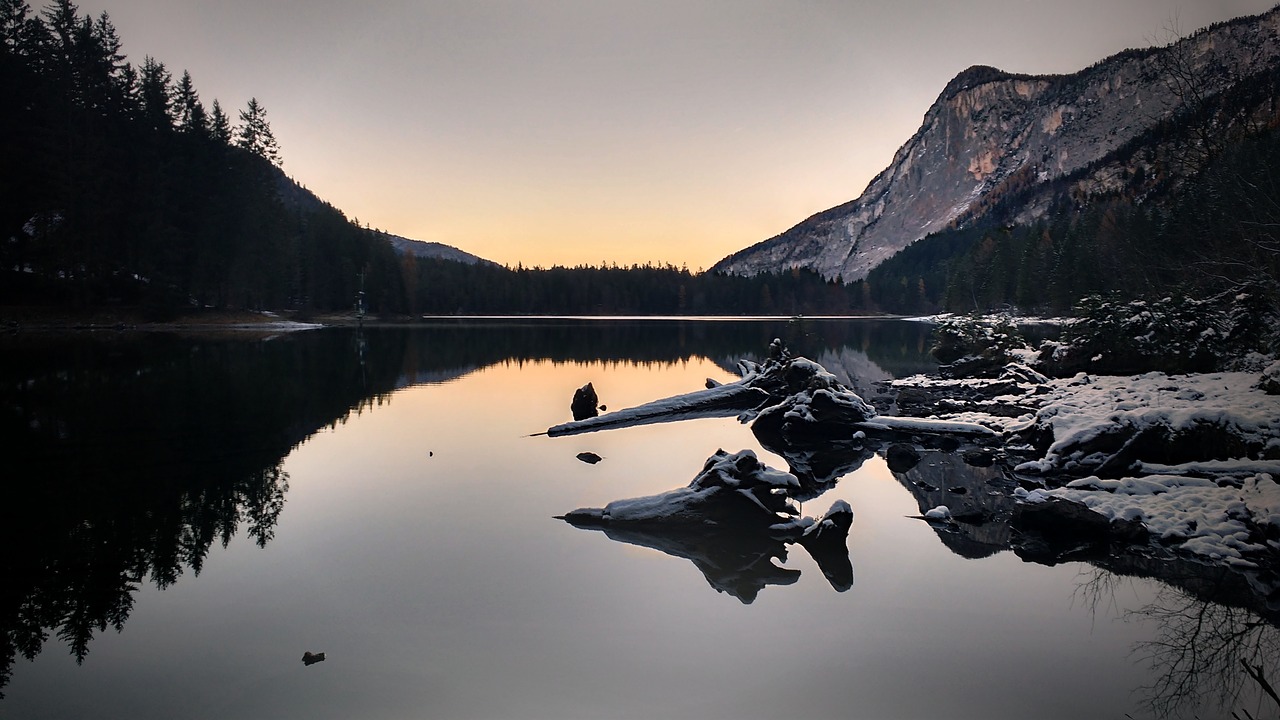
x=186, y=515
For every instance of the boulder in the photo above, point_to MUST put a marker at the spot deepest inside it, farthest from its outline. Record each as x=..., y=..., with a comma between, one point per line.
x=584, y=402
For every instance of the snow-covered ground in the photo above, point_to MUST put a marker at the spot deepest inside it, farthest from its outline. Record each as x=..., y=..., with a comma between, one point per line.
x=1111, y=441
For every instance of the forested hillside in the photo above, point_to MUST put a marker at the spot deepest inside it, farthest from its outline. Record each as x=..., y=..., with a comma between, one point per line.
x=121, y=186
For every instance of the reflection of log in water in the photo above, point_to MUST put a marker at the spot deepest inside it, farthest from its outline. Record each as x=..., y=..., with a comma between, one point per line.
x=733, y=562
x=731, y=521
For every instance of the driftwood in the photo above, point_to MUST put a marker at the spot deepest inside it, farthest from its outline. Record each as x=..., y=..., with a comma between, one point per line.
x=726, y=400
x=792, y=401
x=731, y=521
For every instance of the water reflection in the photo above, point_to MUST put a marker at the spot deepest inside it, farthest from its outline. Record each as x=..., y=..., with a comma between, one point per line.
x=739, y=564
x=131, y=456
x=1209, y=653
x=1217, y=631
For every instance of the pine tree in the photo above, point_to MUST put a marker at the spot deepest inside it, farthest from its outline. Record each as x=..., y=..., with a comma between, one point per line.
x=19, y=31
x=219, y=125
x=187, y=107
x=254, y=133
x=155, y=88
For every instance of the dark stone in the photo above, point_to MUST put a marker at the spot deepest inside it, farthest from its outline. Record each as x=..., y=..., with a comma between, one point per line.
x=1056, y=518
x=309, y=658
x=589, y=457
x=972, y=366
x=901, y=457
x=1270, y=380
x=584, y=403
x=980, y=458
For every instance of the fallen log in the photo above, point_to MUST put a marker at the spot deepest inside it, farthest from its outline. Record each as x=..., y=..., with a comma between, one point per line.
x=726, y=400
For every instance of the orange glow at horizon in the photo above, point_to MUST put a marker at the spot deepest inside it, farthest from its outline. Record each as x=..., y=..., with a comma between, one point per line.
x=569, y=133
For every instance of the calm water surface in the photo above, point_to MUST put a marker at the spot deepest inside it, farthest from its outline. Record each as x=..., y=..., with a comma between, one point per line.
x=189, y=515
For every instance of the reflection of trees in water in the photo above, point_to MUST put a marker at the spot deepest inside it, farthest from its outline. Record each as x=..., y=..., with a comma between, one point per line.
x=444, y=346
x=1205, y=650
x=1208, y=622
x=85, y=582
x=131, y=456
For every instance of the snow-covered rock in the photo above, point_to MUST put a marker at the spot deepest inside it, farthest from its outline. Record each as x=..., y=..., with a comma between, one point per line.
x=1216, y=519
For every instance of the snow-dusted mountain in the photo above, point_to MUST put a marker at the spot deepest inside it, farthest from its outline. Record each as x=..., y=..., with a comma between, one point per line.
x=425, y=249
x=991, y=135
x=294, y=194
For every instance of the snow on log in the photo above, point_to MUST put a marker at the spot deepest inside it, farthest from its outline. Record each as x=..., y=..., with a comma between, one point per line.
x=889, y=423
x=732, y=489
x=726, y=400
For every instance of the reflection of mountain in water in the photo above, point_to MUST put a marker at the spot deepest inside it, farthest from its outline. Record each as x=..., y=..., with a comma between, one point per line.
x=860, y=355
x=457, y=347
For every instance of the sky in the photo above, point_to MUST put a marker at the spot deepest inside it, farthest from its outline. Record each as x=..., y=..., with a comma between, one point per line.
x=566, y=132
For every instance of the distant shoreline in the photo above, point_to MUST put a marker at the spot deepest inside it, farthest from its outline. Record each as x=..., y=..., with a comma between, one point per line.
x=139, y=320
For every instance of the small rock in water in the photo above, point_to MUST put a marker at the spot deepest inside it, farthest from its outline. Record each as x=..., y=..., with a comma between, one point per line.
x=589, y=457
x=942, y=512
x=901, y=457
x=310, y=658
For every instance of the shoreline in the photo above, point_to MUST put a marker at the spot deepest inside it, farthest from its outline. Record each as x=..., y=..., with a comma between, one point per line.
x=42, y=319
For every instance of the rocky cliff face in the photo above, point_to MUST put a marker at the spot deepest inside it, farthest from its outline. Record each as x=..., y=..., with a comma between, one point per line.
x=991, y=134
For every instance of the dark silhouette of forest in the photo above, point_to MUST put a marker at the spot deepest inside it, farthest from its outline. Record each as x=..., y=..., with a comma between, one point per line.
x=123, y=188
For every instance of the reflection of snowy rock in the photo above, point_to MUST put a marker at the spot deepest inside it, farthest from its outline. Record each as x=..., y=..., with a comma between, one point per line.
x=819, y=466
x=733, y=562
x=977, y=500
x=731, y=520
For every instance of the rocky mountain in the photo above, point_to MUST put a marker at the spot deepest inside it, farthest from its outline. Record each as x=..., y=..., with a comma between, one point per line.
x=992, y=135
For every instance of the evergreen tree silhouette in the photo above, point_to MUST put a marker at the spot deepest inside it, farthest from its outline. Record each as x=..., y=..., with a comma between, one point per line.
x=254, y=133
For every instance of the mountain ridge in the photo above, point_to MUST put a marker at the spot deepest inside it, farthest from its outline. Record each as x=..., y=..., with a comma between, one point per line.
x=991, y=132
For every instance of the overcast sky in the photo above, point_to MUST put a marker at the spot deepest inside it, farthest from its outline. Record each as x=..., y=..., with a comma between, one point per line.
x=577, y=131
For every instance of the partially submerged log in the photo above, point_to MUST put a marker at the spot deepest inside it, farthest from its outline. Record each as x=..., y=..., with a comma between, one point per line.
x=732, y=491
x=792, y=401
x=731, y=520
x=726, y=400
